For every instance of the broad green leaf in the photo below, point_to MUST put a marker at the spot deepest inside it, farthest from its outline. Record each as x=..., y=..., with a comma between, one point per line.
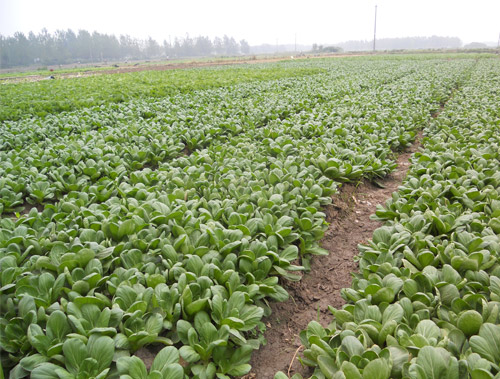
x=350, y=370
x=351, y=346
x=30, y=362
x=154, y=324
x=165, y=357
x=377, y=369
x=173, y=371
x=327, y=365
x=126, y=229
x=399, y=357
x=487, y=343
x=45, y=371
x=57, y=326
x=189, y=354
x=449, y=292
x=481, y=374
x=102, y=349
x=431, y=360
x=197, y=306
x=428, y=329
x=280, y=375
x=239, y=370
x=75, y=352
x=136, y=368
x=393, y=312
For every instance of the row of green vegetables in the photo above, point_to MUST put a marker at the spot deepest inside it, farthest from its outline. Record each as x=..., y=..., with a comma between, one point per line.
x=92, y=145
x=426, y=300
x=189, y=254
x=42, y=98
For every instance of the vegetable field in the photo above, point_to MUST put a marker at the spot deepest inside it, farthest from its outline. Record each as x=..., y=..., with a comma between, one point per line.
x=166, y=210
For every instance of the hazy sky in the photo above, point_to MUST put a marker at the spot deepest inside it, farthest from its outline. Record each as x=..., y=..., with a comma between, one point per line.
x=259, y=21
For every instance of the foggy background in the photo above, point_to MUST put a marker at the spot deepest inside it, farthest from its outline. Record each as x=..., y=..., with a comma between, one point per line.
x=112, y=29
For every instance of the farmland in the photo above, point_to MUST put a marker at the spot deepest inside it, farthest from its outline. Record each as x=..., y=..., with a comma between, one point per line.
x=425, y=301
x=167, y=210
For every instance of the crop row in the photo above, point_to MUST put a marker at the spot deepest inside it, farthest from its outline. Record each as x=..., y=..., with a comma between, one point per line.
x=111, y=142
x=426, y=300
x=187, y=254
x=42, y=98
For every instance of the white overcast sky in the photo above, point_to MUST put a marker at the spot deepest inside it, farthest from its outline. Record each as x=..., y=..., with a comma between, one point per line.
x=259, y=21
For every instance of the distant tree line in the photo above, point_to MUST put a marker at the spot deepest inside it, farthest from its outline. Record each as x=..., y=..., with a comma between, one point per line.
x=476, y=45
x=66, y=46
x=325, y=49
x=406, y=43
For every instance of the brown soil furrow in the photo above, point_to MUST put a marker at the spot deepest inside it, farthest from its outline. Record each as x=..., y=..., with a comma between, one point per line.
x=350, y=225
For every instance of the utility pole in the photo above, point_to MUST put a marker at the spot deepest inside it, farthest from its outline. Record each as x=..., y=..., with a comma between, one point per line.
x=375, y=29
x=295, y=43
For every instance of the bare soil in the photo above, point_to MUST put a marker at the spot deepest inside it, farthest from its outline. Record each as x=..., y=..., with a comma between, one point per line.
x=350, y=225
x=148, y=354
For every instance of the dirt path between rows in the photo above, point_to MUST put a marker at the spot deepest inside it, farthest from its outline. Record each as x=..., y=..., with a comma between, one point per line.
x=350, y=225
